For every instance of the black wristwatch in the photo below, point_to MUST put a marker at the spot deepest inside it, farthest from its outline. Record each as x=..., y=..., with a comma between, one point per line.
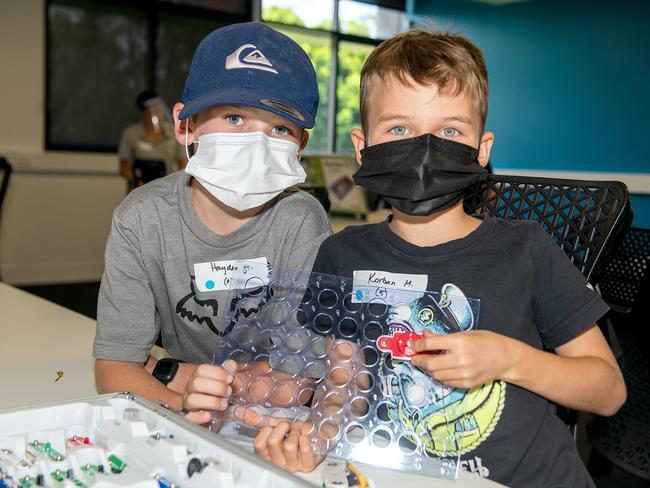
x=166, y=369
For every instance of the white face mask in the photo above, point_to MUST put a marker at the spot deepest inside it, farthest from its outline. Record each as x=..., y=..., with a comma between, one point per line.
x=246, y=169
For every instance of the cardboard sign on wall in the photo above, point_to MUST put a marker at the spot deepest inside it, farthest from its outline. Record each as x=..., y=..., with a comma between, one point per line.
x=335, y=173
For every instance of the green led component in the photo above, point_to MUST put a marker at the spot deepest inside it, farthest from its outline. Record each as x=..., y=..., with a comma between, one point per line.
x=37, y=447
x=90, y=469
x=58, y=475
x=52, y=453
x=27, y=482
x=117, y=465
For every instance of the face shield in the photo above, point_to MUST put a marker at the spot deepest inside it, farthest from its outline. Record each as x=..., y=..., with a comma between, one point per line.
x=155, y=114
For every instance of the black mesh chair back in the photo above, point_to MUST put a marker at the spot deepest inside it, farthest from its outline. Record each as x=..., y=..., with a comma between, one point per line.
x=624, y=439
x=583, y=217
x=623, y=277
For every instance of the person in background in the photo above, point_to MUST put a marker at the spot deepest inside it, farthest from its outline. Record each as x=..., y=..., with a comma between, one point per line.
x=148, y=148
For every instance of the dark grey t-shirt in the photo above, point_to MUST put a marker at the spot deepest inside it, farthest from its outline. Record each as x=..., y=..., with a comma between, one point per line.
x=528, y=290
x=149, y=283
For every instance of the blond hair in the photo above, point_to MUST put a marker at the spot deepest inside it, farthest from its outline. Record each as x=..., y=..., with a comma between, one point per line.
x=451, y=61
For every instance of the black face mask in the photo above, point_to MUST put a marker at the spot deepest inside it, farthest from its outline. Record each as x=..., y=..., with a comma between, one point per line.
x=420, y=175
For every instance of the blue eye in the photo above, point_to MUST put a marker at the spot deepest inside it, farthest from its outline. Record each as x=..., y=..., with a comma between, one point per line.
x=400, y=130
x=235, y=120
x=449, y=132
x=281, y=130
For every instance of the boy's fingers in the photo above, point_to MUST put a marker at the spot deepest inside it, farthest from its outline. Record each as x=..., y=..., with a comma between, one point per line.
x=276, y=442
x=231, y=367
x=433, y=342
x=306, y=426
x=208, y=386
x=252, y=418
x=434, y=362
x=291, y=452
x=199, y=401
x=307, y=456
x=260, y=444
x=255, y=419
x=199, y=417
x=213, y=372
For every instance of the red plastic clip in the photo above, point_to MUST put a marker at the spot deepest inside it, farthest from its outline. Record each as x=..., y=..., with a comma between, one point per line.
x=398, y=344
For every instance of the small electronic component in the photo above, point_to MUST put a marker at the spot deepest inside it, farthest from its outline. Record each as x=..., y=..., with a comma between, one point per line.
x=355, y=477
x=120, y=440
x=27, y=482
x=333, y=475
x=35, y=448
x=157, y=436
x=116, y=464
x=338, y=474
x=398, y=344
x=165, y=483
x=77, y=440
x=92, y=469
x=195, y=465
x=58, y=475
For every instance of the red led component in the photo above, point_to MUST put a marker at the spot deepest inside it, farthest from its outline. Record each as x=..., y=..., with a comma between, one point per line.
x=398, y=344
x=77, y=440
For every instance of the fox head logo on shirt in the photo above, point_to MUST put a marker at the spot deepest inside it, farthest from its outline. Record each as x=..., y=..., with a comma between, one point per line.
x=253, y=60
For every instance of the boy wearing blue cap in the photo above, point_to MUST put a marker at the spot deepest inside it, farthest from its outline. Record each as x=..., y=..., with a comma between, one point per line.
x=174, y=244
x=423, y=112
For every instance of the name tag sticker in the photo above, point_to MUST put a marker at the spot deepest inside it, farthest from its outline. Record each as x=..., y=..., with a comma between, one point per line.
x=389, y=288
x=218, y=275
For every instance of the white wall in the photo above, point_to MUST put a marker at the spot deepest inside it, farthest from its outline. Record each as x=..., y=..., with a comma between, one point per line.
x=57, y=212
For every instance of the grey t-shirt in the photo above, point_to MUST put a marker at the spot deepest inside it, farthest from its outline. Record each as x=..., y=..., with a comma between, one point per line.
x=149, y=282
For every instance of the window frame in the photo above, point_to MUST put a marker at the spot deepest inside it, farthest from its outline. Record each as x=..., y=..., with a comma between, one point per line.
x=336, y=38
x=152, y=9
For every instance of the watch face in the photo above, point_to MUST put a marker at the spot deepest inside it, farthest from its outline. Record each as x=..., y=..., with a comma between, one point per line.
x=165, y=370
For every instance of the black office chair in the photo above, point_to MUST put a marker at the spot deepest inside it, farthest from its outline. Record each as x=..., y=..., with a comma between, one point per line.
x=624, y=439
x=585, y=218
x=5, y=174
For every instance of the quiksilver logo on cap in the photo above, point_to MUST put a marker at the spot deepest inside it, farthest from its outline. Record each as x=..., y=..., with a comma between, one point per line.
x=252, y=60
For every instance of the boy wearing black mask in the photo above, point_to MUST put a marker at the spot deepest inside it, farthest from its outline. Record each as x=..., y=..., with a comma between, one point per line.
x=423, y=110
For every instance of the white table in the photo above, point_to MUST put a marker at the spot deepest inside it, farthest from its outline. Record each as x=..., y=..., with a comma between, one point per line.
x=39, y=338
x=383, y=478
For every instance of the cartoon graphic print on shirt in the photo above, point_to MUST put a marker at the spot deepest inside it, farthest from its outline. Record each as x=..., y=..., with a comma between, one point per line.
x=459, y=419
x=193, y=309
x=204, y=311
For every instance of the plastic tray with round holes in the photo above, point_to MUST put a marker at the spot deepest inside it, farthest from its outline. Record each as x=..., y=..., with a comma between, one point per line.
x=305, y=336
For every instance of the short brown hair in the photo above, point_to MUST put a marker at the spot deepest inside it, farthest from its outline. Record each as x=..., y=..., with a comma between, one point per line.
x=450, y=61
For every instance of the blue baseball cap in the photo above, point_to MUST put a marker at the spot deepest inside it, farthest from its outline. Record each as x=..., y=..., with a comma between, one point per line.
x=255, y=65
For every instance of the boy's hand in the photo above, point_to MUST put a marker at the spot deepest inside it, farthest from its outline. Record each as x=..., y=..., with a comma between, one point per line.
x=208, y=389
x=463, y=359
x=263, y=385
x=285, y=443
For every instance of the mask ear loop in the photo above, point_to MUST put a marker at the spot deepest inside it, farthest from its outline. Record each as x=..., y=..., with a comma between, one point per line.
x=187, y=124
